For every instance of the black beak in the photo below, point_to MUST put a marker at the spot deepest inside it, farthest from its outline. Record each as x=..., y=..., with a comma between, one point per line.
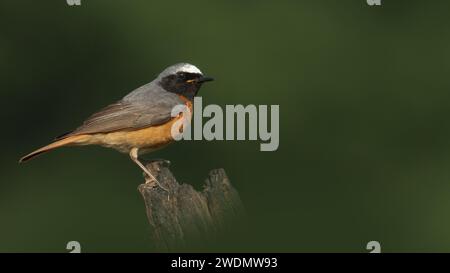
x=204, y=79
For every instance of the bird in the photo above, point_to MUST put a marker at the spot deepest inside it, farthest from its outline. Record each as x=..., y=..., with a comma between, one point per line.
x=140, y=122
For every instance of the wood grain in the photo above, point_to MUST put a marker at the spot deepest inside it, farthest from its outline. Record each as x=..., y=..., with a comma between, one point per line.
x=184, y=217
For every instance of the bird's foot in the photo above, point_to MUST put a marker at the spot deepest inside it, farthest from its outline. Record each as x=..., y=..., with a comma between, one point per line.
x=149, y=181
x=154, y=182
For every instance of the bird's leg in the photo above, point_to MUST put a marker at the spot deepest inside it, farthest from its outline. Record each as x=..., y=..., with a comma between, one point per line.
x=134, y=157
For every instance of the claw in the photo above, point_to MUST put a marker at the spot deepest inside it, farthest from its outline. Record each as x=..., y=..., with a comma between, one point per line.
x=134, y=157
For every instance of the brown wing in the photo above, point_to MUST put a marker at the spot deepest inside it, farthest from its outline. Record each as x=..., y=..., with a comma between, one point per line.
x=148, y=105
x=125, y=115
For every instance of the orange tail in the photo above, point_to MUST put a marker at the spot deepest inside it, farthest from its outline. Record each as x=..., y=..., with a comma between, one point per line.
x=54, y=145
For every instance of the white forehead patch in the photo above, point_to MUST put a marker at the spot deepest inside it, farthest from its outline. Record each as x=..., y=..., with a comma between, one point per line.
x=189, y=68
x=181, y=67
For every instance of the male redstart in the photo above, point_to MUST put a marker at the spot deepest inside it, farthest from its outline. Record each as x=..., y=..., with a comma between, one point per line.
x=142, y=121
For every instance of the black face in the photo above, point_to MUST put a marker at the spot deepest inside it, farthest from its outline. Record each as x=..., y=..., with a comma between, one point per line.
x=184, y=83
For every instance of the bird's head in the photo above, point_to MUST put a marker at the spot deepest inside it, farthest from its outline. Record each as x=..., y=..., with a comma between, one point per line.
x=182, y=79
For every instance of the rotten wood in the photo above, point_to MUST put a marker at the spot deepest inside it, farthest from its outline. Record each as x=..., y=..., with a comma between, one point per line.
x=184, y=217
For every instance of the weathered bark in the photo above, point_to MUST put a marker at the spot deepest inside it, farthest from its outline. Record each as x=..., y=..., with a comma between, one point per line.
x=184, y=217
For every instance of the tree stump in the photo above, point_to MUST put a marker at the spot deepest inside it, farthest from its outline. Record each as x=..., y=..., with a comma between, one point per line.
x=184, y=217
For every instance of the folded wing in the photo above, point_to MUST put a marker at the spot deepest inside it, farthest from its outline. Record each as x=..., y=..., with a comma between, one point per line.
x=129, y=115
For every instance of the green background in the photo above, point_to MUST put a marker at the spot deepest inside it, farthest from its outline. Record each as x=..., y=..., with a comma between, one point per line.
x=364, y=134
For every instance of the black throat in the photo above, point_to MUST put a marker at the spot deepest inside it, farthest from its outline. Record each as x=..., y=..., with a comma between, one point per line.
x=179, y=84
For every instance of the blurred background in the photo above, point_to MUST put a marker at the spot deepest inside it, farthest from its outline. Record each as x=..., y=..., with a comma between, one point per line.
x=364, y=138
